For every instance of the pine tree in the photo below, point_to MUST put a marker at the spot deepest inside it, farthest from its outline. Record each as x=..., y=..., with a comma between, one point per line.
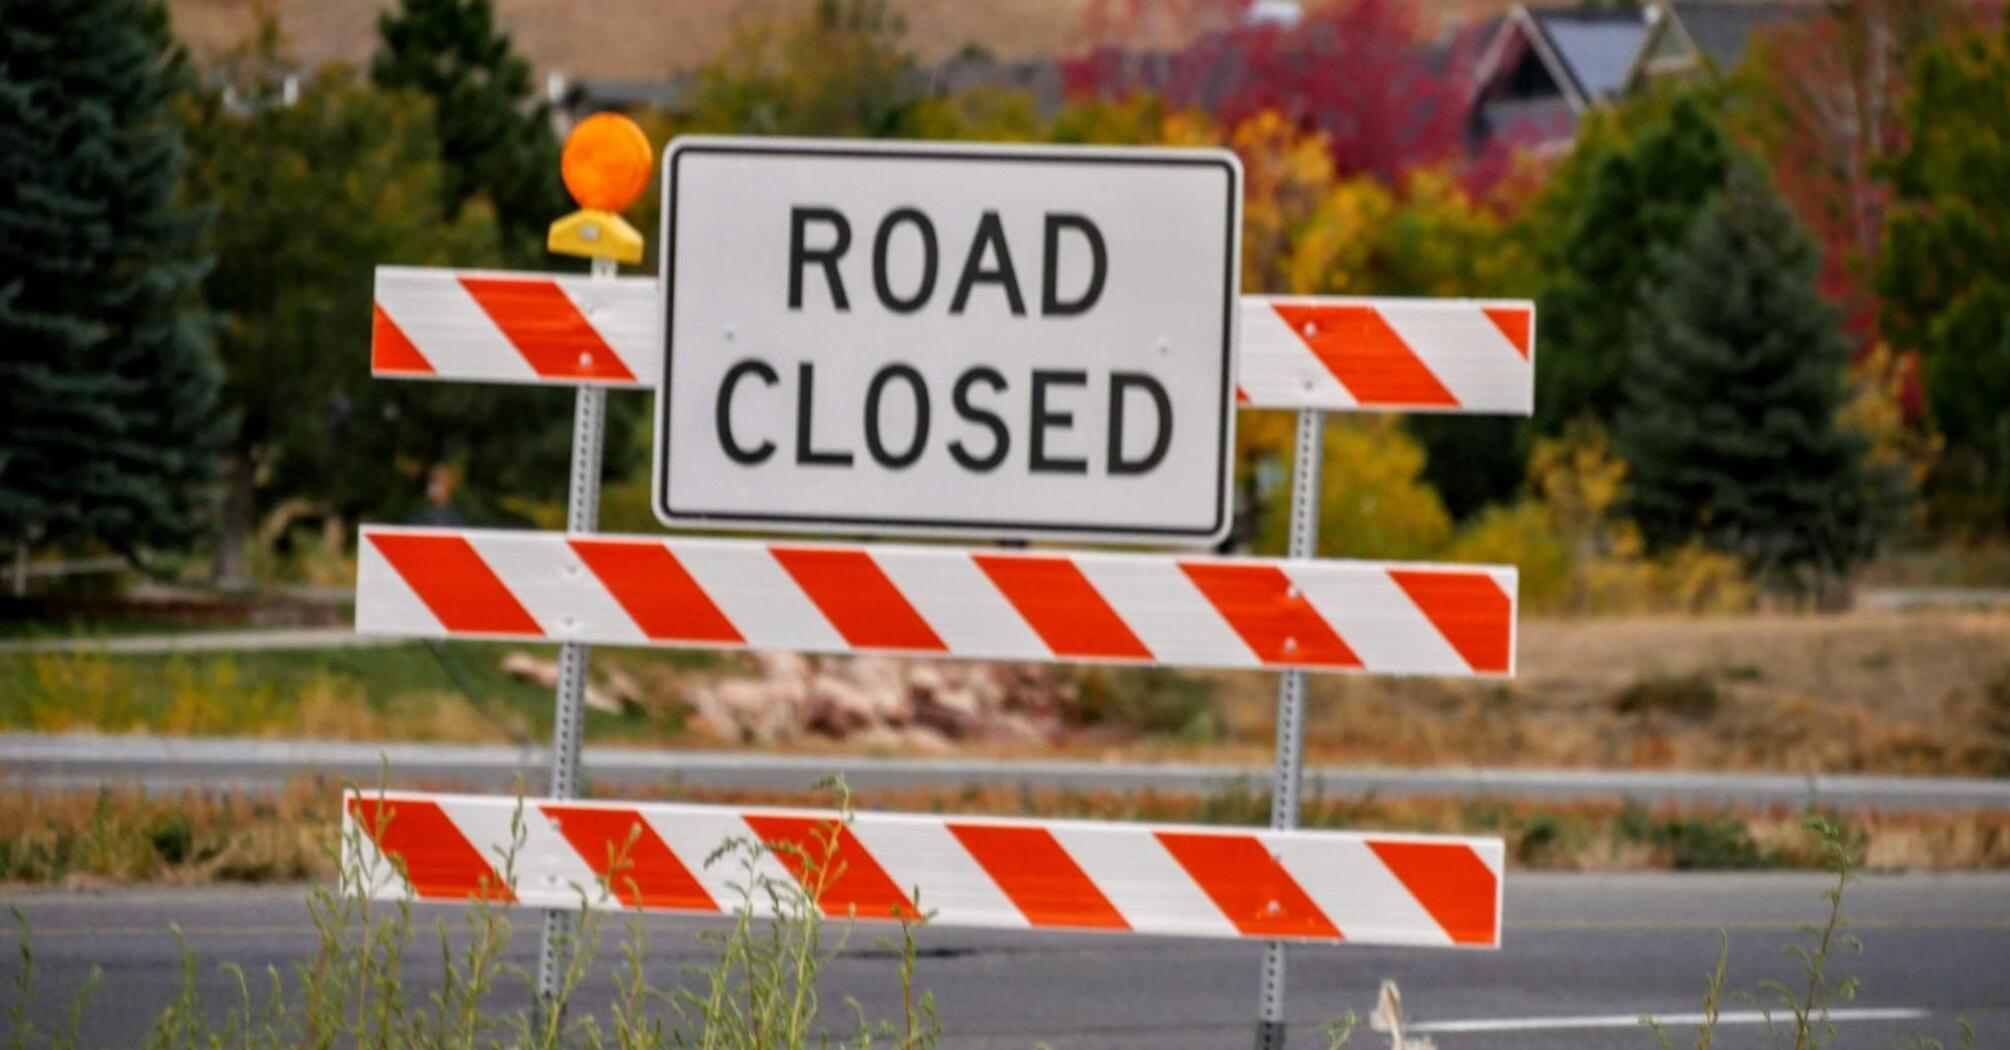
x=1734, y=386
x=1641, y=198
x=108, y=380
x=495, y=134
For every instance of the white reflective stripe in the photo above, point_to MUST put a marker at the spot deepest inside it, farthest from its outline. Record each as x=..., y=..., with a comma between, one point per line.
x=624, y=312
x=962, y=605
x=542, y=869
x=1166, y=611
x=1356, y=891
x=1142, y=881
x=758, y=596
x=558, y=590
x=924, y=853
x=378, y=877
x=1466, y=350
x=385, y=603
x=451, y=331
x=695, y=833
x=1378, y=621
x=1276, y=368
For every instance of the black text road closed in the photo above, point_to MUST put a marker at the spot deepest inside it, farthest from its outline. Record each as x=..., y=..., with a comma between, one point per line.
x=932, y=338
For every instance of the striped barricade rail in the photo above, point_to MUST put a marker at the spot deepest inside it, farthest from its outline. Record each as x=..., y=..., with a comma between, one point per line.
x=1166, y=609
x=1335, y=354
x=1200, y=881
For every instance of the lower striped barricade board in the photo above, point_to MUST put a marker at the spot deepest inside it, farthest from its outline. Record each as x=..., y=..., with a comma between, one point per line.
x=1188, y=880
x=1167, y=609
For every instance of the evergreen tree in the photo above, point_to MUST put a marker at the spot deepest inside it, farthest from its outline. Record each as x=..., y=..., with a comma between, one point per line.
x=1641, y=198
x=1945, y=270
x=495, y=133
x=1736, y=378
x=108, y=381
x=312, y=195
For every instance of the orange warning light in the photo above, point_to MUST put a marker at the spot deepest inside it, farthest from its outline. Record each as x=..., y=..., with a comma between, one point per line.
x=606, y=162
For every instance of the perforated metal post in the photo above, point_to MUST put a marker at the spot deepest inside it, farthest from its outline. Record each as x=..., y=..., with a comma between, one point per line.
x=1306, y=463
x=582, y=514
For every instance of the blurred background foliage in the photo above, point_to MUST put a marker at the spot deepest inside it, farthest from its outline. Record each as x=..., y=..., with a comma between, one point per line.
x=1840, y=273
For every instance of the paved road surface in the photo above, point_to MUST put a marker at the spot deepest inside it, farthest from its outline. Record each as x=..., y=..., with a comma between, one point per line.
x=169, y=762
x=1585, y=955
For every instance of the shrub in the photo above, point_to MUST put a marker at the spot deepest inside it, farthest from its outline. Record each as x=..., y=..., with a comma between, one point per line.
x=1692, y=696
x=1149, y=700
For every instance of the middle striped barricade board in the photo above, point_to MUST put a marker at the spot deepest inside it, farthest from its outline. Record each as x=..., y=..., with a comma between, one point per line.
x=1165, y=609
x=1202, y=881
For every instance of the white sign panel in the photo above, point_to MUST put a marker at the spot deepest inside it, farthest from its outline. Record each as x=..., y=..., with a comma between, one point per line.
x=933, y=338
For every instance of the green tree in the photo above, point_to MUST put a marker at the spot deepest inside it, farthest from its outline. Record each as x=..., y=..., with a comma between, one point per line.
x=1640, y=196
x=108, y=379
x=1734, y=388
x=312, y=196
x=1945, y=269
x=840, y=68
x=495, y=134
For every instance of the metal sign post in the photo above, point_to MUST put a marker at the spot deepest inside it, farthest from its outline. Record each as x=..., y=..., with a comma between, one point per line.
x=1304, y=543
x=606, y=165
x=582, y=515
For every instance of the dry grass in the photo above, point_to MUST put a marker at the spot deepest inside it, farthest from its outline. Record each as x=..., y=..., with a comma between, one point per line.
x=127, y=835
x=1912, y=693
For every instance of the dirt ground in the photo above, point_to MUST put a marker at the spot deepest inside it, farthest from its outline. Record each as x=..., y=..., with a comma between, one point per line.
x=1916, y=692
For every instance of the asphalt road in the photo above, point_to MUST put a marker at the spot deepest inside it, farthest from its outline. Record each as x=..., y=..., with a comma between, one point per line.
x=80, y=761
x=1585, y=956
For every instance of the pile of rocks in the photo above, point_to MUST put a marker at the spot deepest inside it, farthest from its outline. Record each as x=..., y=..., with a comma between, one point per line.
x=876, y=701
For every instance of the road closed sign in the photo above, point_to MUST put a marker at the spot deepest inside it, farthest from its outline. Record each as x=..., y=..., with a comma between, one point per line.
x=984, y=341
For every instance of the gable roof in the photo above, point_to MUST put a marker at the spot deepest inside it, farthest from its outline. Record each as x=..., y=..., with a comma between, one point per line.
x=1587, y=53
x=1596, y=47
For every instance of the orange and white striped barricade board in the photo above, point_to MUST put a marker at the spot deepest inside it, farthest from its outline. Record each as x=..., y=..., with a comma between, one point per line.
x=1198, y=881
x=1334, y=354
x=942, y=601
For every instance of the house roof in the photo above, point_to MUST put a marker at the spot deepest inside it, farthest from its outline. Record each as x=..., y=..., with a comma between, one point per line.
x=1595, y=48
x=1686, y=34
x=1723, y=30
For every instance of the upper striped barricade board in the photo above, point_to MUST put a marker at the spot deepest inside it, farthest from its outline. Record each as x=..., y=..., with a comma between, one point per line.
x=1318, y=886
x=983, y=604
x=1349, y=355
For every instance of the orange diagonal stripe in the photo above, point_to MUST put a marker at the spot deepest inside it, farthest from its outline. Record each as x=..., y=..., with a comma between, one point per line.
x=1039, y=877
x=1062, y=607
x=657, y=592
x=1451, y=882
x=539, y=319
x=1365, y=355
x=447, y=573
x=440, y=862
x=852, y=881
x=1276, y=621
x=1469, y=609
x=391, y=352
x=852, y=592
x=1252, y=890
x=649, y=875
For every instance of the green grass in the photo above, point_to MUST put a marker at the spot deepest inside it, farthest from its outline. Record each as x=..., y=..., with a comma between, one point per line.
x=412, y=692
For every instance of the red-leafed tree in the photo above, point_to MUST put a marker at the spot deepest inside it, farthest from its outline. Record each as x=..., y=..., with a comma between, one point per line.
x=1824, y=99
x=1362, y=72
